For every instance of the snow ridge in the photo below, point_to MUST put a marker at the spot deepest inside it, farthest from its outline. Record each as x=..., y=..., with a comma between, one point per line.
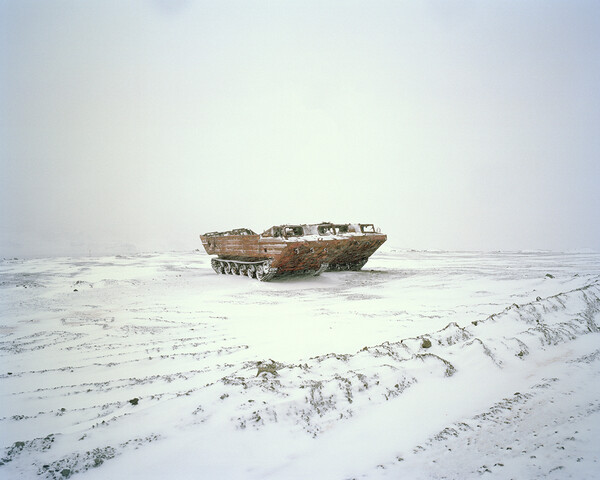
x=329, y=388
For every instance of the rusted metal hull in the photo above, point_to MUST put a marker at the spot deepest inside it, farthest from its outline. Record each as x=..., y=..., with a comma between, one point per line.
x=277, y=256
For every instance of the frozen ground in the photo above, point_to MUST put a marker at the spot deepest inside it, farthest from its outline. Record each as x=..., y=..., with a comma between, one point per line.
x=423, y=365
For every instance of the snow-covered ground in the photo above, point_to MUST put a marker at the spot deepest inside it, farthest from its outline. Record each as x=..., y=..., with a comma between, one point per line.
x=423, y=365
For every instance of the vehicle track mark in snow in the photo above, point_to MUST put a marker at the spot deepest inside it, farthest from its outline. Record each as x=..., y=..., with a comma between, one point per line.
x=549, y=431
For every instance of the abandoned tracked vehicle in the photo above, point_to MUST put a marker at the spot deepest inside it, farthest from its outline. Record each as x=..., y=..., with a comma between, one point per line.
x=292, y=249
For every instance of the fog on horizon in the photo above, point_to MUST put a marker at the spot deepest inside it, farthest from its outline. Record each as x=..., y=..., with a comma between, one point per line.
x=450, y=125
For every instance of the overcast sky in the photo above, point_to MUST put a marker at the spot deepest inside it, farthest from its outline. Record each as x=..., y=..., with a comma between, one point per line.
x=451, y=125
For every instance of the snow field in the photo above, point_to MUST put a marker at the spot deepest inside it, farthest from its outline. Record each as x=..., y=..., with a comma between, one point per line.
x=423, y=365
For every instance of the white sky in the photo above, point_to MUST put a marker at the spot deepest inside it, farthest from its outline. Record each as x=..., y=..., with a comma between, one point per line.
x=451, y=125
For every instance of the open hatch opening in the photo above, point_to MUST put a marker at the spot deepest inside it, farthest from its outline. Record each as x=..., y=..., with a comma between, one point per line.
x=330, y=229
x=367, y=228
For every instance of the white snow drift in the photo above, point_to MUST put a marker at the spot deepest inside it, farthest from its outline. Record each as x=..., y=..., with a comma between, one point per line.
x=423, y=365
